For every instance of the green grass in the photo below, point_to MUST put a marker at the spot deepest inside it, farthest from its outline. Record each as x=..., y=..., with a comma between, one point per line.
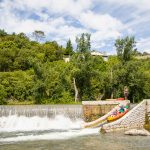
x=16, y=102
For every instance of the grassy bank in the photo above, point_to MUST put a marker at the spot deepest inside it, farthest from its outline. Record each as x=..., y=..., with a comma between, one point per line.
x=15, y=102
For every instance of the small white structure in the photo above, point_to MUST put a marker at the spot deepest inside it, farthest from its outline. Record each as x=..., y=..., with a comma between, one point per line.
x=143, y=57
x=67, y=58
x=104, y=55
x=93, y=53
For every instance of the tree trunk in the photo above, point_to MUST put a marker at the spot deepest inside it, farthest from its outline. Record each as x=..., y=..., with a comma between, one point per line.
x=111, y=77
x=133, y=100
x=76, y=90
x=112, y=95
x=101, y=96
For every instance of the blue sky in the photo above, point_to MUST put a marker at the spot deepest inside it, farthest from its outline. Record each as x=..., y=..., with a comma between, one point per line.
x=106, y=20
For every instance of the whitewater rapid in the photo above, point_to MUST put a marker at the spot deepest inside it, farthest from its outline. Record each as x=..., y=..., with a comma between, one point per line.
x=15, y=128
x=23, y=123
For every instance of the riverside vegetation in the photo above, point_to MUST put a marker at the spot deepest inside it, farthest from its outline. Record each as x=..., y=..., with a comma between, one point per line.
x=35, y=72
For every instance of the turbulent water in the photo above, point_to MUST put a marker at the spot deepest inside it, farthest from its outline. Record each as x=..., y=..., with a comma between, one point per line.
x=24, y=123
x=40, y=117
x=57, y=127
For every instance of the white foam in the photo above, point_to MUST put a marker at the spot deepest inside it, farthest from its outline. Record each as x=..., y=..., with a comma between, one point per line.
x=23, y=123
x=26, y=128
x=51, y=136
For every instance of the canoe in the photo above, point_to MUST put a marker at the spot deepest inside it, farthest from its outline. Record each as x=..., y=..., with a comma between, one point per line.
x=115, y=117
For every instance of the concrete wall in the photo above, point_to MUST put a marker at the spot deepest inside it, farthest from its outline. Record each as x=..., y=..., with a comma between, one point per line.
x=133, y=119
x=93, y=110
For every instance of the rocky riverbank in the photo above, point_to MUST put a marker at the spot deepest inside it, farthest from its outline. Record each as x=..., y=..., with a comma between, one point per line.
x=135, y=132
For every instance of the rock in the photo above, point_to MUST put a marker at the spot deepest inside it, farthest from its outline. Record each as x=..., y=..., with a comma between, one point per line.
x=142, y=132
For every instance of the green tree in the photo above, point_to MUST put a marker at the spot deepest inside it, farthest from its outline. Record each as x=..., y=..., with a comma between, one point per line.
x=112, y=66
x=18, y=85
x=125, y=48
x=69, y=48
x=83, y=43
x=38, y=35
x=2, y=33
x=30, y=70
x=2, y=95
x=89, y=76
x=52, y=51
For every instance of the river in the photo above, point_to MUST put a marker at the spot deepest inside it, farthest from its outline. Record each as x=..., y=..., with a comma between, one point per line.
x=58, y=127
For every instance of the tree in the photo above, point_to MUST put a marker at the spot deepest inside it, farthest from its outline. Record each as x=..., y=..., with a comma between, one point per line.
x=69, y=48
x=52, y=51
x=81, y=73
x=38, y=35
x=88, y=75
x=83, y=43
x=145, y=53
x=2, y=33
x=125, y=48
x=2, y=95
x=35, y=71
x=112, y=66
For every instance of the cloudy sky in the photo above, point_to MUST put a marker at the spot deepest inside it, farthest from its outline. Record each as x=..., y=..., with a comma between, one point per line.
x=106, y=20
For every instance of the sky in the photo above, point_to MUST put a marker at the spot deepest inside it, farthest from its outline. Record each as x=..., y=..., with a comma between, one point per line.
x=105, y=20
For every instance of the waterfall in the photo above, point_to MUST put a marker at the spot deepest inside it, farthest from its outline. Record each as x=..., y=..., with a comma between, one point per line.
x=50, y=111
x=40, y=117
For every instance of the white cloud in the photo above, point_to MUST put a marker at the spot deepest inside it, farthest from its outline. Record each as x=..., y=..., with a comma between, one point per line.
x=140, y=11
x=12, y=22
x=100, y=21
x=98, y=45
x=57, y=25
x=143, y=45
x=103, y=26
x=73, y=7
x=101, y=38
x=140, y=4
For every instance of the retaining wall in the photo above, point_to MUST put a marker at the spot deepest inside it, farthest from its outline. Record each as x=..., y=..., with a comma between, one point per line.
x=93, y=110
x=133, y=119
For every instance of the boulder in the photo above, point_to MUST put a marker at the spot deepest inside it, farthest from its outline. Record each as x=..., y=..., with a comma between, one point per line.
x=136, y=132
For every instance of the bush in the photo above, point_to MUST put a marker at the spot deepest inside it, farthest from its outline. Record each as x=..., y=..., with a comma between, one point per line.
x=2, y=95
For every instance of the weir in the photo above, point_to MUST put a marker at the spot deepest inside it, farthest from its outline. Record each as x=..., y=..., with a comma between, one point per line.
x=47, y=117
x=50, y=111
x=40, y=117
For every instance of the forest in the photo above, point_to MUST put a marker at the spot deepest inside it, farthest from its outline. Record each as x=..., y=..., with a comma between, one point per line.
x=34, y=72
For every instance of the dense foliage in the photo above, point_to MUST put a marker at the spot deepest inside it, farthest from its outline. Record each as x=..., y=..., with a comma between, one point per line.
x=33, y=71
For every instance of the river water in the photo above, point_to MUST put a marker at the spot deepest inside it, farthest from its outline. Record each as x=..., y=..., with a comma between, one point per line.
x=58, y=127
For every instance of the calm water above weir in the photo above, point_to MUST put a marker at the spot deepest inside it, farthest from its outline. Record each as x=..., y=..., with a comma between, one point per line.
x=57, y=127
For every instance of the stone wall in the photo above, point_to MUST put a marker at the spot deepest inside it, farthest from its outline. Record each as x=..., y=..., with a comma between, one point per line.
x=133, y=119
x=93, y=110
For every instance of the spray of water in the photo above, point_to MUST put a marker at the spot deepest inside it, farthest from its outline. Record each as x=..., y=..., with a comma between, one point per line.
x=23, y=123
x=34, y=126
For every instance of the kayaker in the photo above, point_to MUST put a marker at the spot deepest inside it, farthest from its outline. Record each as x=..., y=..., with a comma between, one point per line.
x=126, y=108
x=121, y=109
